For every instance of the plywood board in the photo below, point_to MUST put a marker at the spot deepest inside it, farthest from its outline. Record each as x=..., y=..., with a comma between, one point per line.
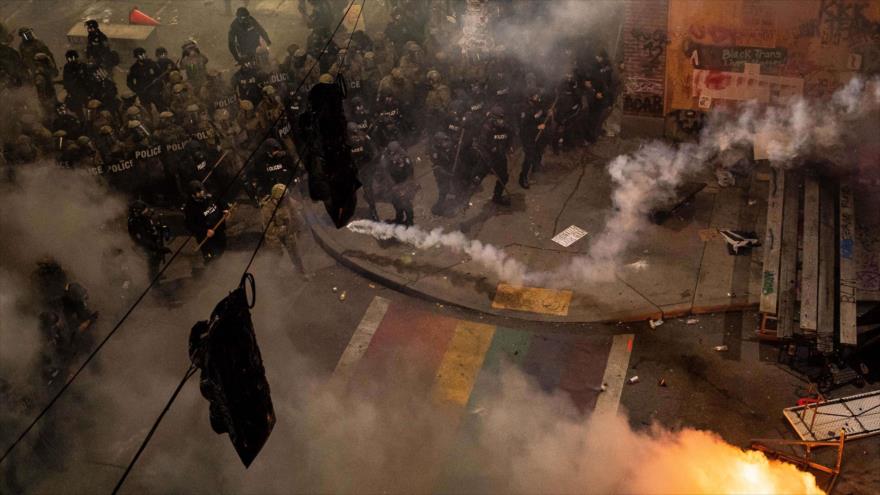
x=846, y=251
x=532, y=299
x=772, y=243
x=810, y=266
x=827, y=257
x=787, y=285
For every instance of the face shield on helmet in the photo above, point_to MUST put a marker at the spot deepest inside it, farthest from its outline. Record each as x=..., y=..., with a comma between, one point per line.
x=27, y=34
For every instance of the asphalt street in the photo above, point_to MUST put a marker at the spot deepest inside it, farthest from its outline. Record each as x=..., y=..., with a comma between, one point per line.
x=373, y=389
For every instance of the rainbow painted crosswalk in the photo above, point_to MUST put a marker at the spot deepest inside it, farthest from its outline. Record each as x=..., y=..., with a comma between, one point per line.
x=459, y=357
x=454, y=367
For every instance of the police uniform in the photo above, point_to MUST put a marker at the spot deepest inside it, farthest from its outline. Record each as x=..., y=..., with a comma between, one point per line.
x=203, y=214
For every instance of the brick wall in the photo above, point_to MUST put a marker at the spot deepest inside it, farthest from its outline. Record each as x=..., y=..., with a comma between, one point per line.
x=644, y=56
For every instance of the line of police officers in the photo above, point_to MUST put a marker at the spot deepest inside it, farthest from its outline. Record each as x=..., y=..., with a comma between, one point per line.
x=178, y=133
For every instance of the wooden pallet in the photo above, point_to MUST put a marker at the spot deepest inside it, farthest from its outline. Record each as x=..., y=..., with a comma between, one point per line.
x=808, y=286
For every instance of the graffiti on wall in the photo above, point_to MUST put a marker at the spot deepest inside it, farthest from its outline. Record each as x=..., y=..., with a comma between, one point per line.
x=643, y=104
x=844, y=21
x=653, y=46
x=725, y=35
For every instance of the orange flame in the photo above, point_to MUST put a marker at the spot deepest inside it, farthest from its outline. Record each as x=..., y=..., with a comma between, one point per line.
x=699, y=462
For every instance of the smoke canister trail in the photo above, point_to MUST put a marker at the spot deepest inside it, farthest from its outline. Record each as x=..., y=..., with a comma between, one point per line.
x=491, y=257
x=651, y=174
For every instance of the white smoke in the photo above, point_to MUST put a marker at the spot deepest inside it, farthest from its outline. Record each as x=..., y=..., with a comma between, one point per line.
x=644, y=179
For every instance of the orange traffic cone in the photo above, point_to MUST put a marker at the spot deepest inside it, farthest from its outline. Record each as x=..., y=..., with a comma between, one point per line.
x=138, y=17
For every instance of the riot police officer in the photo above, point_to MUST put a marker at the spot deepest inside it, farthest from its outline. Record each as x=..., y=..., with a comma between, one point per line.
x=533, y=136
x=75, y=82
x=145, y=79
x=397, y=164
x=272, y=166
x=98, y=47
x=248, y=81
x=29, y=47
x=493, y=145
x=205, y=219
x=148, y=233
x=244, y=35
x=443, y=151
x=363, y=157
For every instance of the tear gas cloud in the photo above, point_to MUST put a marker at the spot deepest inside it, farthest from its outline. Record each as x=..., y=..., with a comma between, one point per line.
x=383, y=432
x=644, y=179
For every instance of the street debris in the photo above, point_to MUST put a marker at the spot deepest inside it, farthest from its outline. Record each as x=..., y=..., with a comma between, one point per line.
x=343, y=295
x=753, y=202
x=721, y=348
x=334, y=289
x=725, y=178
x=372, y=286
x=633, y=380
x=655, y=323
x=569, y=236
x=661, y=382
x=638, y=265
x=692, y=321
x=739, y=241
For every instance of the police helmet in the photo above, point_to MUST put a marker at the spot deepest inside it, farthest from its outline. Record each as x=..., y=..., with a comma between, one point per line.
x=134, y=124
x=139, y=52
x=161, y=52
x=269, y=90
x=195, y=186
x=242, y=13
x=166, y=115
x=396, y=73
x=137, y=206
x=93, y=104
x=91, y=24
x=174, y=77
x=221, y=115
x=177, y=88
x=59, y=133
x=496, y=112
x=83, y=141
x=26, y=33
x=71, y=55
x=433, y=76
x=133, y=111
x=193, y=107
x=299, y=53
x=106, y=130
x=325, y=79
x=245, y=105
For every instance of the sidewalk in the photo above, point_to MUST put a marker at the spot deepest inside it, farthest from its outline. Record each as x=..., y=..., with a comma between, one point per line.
x=680, y=267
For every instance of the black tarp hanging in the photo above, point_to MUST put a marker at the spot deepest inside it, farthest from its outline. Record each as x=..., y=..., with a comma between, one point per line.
x=332, y=175
x=233, y=379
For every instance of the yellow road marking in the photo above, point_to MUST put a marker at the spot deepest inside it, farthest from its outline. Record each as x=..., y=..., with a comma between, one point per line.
x=462, y=362
x=532, y=299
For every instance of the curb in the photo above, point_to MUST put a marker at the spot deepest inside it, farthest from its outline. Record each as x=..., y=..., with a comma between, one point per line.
x=337, y=252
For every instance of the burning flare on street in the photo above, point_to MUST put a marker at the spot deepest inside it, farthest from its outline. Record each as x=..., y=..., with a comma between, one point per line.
x=699, y=462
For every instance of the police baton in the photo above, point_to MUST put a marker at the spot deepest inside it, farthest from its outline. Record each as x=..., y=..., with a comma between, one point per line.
x=550, y=114
x=219, y=222
x=214, y=167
